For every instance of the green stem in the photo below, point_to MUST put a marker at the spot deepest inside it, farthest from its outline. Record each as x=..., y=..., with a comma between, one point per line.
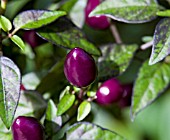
x=81, y=93
x=147, y=45
x=13, y=32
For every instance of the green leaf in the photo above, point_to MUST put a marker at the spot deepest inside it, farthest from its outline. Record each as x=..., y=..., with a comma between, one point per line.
x=32, y=19
x=77, y=13
x=68, y=36
x=39, y=4
x=5, y=134
x=65, y=91
x=54, y=82
x=89, y=131
x=165, y=13
x=83, y=110
x=147, y=39
x=31, y=104
x=30, y=80
x=9, y=90
x=47, y=55
x=129, y=11
x=18, y=41
x=161, y=41
x=52, y=122
x=65, y=103
x=91, y=93
x=5, y=24
x=115, y=59
x=150, y=83
x=67, y=5
x=13, y=7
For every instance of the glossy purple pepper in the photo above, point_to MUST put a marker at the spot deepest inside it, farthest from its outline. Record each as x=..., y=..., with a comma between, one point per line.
x=110, y=91
x=27, y=128
x=32, y=38
x=97, y=22
x=126, y=97
x=79, y=68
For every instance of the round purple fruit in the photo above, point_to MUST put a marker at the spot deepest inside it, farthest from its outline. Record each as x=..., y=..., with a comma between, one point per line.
x=126, y=97
x=27, y=128
x=32, y=38
x=110, y=91
x=96, y=22
x=80, y=68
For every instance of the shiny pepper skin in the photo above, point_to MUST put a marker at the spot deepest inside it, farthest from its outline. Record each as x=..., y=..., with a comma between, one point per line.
x=109, y=92
x=80, y=68
x=27, y=128
x=96, y=22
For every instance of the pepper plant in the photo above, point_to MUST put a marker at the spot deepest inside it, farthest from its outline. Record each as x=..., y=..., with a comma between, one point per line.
x=63, y=61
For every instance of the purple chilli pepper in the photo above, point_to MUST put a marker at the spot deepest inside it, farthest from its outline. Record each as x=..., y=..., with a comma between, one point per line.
x=80, y=68
x=109, y=92
x=96, y=22
x=27, y=128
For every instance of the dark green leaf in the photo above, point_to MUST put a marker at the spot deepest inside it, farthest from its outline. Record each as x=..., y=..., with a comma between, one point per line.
x=150, y=83
x=52, y=122
x=9, y=90
x=67, y=5
x=67, y=36
x=89, y=131
x=55, y=81
x=161, y=41
x=18, y=41
x=5, y=24
x=83, y=110
x=65, y=103
x=31, y=104
x=128, y=11
x=43, y=4
x=60, y=135
x=115, y=59
x=14, y=6
x=32, y=19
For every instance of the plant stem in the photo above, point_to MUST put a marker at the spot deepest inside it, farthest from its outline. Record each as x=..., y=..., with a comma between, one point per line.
x=115, y=33
x=13, y=32
x=81, y=93
x=1, y=53
x=147, y=45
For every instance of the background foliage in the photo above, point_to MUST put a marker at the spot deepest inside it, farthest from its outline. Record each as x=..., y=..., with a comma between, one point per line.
x=140, y=58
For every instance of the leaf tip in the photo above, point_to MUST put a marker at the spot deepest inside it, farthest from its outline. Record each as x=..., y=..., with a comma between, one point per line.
x=152, y=62
x=78, y=118
x=92, y=13
x=131, y=115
